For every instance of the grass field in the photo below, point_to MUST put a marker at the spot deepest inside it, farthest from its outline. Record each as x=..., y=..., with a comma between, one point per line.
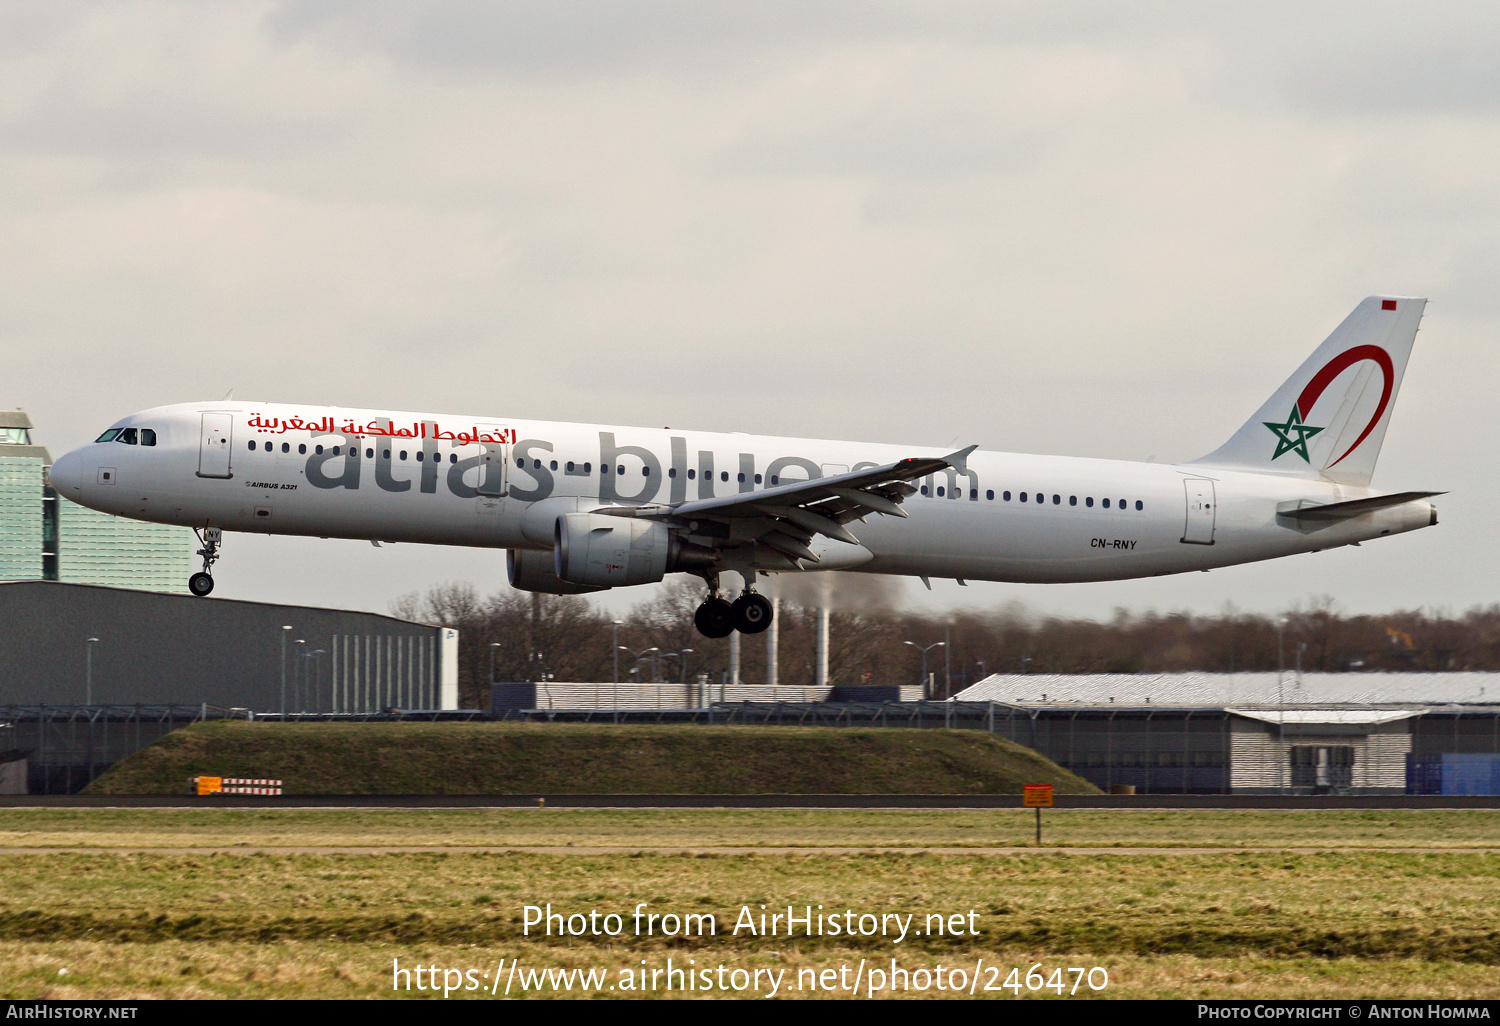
x=1288, y=904
x=523, y=758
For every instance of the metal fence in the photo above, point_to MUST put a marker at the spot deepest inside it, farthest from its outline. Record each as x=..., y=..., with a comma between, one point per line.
x=1156, y=751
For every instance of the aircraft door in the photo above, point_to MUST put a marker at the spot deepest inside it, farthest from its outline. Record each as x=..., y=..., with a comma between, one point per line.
x=494, y=467
x=214, y=445
x=1201, y=511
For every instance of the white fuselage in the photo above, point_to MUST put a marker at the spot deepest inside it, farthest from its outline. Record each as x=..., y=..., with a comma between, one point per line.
x=279, y=469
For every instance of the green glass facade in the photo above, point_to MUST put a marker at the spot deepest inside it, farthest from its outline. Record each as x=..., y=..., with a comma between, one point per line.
x=21, y=517
x=98, y=548
x=44, y=536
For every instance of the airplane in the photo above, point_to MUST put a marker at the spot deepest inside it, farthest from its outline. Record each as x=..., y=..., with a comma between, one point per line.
x=582, y=507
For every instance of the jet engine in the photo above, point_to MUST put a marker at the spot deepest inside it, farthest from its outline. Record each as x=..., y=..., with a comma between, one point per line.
x=531, y=570
x=602, y=551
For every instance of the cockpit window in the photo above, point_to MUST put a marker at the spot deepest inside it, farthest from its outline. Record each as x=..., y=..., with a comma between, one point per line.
x=148, y=437
x=127, y=436
x=108, y=436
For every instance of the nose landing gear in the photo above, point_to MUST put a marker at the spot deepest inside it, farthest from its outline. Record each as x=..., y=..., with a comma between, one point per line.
x=210, y=538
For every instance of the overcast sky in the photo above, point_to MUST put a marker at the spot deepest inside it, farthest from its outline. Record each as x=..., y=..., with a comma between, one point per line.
x=1095, y=229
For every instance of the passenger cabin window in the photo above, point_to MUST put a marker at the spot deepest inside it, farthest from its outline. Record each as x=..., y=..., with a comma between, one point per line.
x=1139, y=504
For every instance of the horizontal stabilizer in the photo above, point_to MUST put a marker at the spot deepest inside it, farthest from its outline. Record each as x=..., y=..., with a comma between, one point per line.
x=1352, y=508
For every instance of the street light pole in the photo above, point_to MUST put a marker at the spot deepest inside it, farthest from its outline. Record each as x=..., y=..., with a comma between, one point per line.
x=88, y=687
x=615, y=626
x=493, y=645
x=284, y=629
x=639, y=657
x=297, y=686
x=924, y=651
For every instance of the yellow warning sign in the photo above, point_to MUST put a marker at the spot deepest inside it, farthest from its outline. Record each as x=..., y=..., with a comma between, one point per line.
x=212, y=785
x=1037, y=796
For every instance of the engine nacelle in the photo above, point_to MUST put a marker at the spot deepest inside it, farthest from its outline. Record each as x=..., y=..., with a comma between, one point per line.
x=531, y=570
x=601, y=551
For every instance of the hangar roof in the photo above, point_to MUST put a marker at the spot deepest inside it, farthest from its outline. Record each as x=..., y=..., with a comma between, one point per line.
x=1237, y=689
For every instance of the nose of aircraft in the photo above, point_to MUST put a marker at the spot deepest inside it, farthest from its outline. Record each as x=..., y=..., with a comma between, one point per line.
x=67, y=475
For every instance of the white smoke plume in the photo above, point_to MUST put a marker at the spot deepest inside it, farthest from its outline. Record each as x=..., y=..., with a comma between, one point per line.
x=843, y=592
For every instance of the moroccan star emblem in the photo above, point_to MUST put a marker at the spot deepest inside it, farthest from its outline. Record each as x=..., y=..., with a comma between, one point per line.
x=1292, y=436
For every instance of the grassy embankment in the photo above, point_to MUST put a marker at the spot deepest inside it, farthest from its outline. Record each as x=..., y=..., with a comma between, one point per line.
x=1236, y=923
x=505, y=758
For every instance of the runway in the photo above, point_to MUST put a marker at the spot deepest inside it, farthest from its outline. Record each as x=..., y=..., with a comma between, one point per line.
x=749, y=801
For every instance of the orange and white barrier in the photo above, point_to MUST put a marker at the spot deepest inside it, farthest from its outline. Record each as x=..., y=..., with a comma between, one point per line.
x=234, y=785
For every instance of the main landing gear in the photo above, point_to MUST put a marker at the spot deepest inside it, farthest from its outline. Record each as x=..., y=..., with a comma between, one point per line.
x=717, y=617
x=210, y=538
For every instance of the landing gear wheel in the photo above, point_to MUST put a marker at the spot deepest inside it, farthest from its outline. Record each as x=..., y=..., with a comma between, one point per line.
x=210, y=538
x=752, y=613
x=715, y=618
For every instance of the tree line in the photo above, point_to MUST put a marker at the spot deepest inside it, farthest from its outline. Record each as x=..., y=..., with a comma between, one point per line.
x=517, y=636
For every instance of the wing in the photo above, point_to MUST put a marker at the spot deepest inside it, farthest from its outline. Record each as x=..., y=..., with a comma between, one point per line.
x=777, y=526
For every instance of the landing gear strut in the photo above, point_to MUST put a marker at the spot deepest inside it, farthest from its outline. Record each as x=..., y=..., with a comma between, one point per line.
x=210, y=538
x=751, y=613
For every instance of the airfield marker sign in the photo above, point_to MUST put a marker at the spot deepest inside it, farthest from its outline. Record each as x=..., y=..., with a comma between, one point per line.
x=1039, y=797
